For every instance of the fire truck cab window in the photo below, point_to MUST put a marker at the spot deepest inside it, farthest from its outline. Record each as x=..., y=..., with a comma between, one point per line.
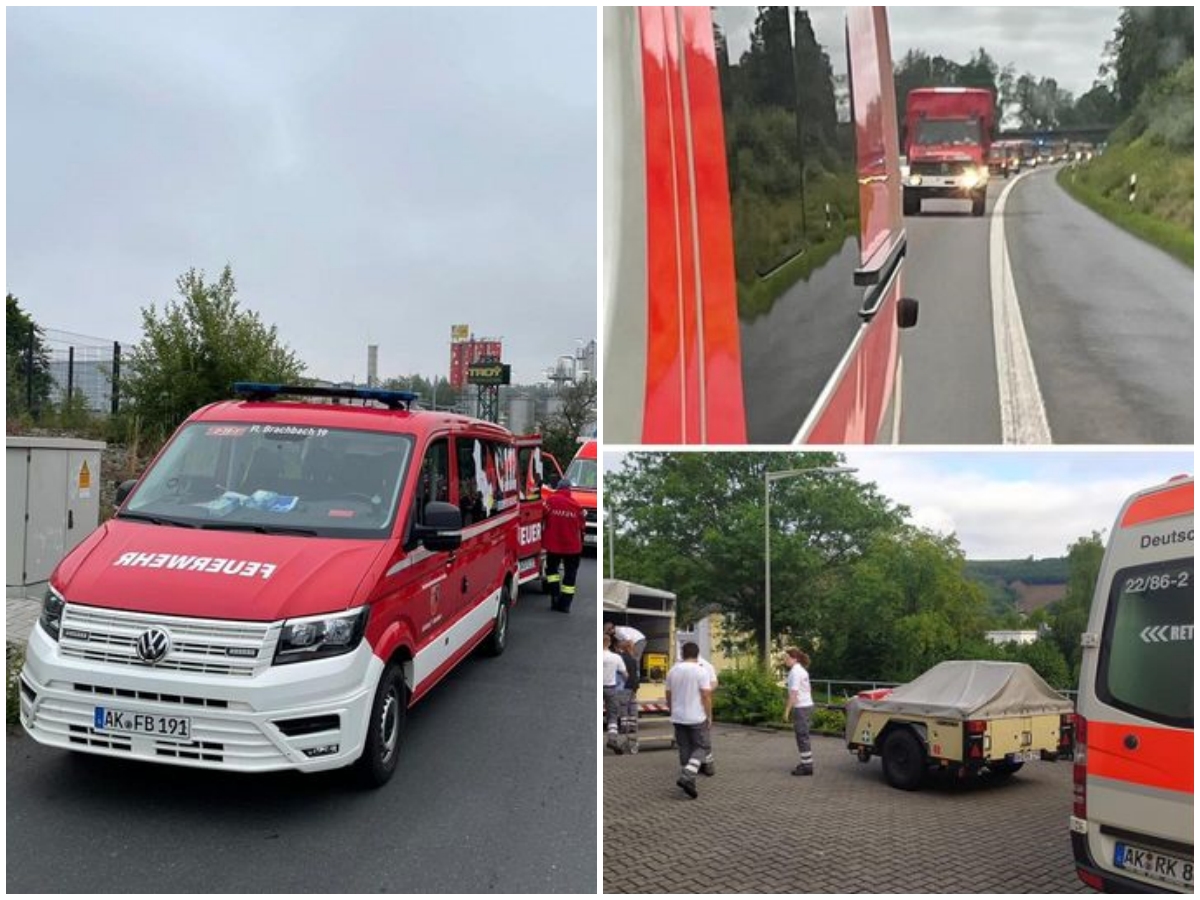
x=790, y=146
x=478, y=481
x=434, y=481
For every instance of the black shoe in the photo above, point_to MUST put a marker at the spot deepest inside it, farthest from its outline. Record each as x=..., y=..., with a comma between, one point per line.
x=562, y=608
x=689, y=786
x=802, y=770
x=709, y=769
x=614, y=745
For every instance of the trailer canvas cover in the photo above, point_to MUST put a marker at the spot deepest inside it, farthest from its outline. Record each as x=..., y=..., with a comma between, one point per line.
x=972, y=689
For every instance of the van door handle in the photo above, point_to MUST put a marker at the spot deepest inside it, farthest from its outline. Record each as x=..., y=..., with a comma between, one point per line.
x=70, y=518
x=464, y=584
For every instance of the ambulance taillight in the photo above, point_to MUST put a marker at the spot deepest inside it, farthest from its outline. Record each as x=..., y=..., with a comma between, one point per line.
x=1066, y=735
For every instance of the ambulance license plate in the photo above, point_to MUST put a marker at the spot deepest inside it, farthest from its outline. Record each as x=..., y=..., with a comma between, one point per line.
x=1023, y=756
x=108, y=719
x=1159, y=866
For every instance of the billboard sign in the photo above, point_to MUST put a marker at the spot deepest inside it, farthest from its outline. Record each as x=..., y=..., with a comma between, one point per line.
x=489, y=373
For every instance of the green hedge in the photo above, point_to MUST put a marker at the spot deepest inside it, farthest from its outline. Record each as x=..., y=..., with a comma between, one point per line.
x=748, y=696
x=12, y=691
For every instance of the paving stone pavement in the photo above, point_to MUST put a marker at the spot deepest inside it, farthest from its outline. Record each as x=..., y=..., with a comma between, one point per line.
x=20, y=614
x=755, y=827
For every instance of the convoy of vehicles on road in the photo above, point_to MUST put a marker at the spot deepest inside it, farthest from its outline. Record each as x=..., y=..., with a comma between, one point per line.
x=961, y=717
x=948, y=139
x=752, y=285
x=283, y=582
x=1132, y=826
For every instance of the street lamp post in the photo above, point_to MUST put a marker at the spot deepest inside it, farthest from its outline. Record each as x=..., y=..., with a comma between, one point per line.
x=767, y=479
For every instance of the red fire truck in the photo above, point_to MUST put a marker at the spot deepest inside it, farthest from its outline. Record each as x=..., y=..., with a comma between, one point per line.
x=949, y=132
x=753, y=238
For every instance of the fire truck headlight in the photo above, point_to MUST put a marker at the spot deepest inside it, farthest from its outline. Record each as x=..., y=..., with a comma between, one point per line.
x=52, y=613
x=318, y=637
x=972, y=177
x=914, y=180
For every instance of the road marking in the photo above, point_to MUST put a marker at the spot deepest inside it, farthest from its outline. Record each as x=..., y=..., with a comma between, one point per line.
x=1022, y=412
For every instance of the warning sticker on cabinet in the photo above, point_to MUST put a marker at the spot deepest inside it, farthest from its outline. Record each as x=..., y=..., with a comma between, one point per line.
x=85, y=481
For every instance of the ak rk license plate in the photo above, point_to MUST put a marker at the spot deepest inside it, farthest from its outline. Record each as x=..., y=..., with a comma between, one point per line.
x=122, y=720
x=1159, y=866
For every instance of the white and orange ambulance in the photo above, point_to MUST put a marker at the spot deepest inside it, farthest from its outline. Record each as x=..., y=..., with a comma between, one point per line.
x=1132, y=823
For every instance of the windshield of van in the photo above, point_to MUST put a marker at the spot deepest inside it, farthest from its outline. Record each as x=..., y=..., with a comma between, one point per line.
x=1146, y=661
x=286, y=479
x=957, y=132
x=582, y=473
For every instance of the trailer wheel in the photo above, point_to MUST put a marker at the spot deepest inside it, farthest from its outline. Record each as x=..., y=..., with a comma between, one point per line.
x=903, y=760
x=912, y=203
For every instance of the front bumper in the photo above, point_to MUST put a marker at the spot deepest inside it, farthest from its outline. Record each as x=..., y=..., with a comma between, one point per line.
x=952, y=187
x=235, y=723
x=589, y=534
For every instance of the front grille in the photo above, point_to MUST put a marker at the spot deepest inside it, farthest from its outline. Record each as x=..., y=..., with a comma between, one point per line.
x=90, y=737
x=152, y=695
x=939, y=168
x=589, y=515
x=208, y=751
x=202, y=646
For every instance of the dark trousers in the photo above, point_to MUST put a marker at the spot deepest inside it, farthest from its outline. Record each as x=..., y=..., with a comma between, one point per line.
x=561, y=587
x=800, y=717
x=694, y=744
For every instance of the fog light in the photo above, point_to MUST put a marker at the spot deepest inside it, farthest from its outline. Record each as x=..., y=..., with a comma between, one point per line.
x=325, y=750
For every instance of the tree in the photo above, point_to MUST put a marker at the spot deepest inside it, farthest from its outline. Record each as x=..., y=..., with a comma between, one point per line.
x=575, y=414
x=435, y=393
x=27, y=361
x=196, y=348
x=1070, y=615
x=1149, y=41
x=693, y=523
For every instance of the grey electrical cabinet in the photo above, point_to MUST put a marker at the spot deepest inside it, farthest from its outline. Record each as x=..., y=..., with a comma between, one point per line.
x=53, y=490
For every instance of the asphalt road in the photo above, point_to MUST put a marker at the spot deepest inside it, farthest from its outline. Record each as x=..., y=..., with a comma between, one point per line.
x=496, y=791
x=1108, y=321
x=756, y=828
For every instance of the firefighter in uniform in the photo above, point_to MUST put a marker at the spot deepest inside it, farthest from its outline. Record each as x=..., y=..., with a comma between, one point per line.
x=562, y=538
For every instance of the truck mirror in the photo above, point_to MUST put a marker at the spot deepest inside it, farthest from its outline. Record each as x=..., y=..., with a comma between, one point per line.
x=553, y=479
x=906, y=312
x=442, y=529
x=123, y=490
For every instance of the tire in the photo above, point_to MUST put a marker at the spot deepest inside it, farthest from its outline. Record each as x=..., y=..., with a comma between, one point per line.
x=912, y=203
x=498, y=639
x=903, y=760
x=1004, y=769
x=384, y=730
x=979, y=204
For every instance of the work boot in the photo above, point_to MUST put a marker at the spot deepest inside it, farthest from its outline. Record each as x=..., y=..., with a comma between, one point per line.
x=614, y=744
x=688, y=783
x=802, y=770
x=708, y=768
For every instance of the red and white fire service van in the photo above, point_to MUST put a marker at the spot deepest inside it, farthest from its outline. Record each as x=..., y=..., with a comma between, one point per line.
x=949, y=133
x=1133, y=823
x=582, y=473
x=282, y=584
x=753, y=239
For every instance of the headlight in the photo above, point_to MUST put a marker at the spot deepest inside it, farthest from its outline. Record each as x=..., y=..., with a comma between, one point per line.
x=914, y=180
x=52, y=613
x=317, y=637
x=972, y=177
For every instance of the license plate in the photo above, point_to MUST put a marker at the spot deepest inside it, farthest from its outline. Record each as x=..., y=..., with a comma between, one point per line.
x=1159, y=866
x=108, y=719
x=1026, y=756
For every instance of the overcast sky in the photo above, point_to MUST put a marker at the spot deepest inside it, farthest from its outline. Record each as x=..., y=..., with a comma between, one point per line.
x=1011, y=504
x=372, y=175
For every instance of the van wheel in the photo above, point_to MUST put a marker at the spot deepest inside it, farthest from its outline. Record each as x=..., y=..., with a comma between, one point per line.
x=979, y=204
x=1004, y=769
x=386, y=726
x=912, y=203
x=498, y=639
x=903, y=760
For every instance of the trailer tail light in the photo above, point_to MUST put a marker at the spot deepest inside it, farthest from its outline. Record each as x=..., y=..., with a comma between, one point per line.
x=1080, y=770
x=975, y=731
x=1066, y=735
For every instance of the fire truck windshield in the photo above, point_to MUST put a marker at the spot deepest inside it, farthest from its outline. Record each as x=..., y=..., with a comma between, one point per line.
x=956, y=132
x=296, y=479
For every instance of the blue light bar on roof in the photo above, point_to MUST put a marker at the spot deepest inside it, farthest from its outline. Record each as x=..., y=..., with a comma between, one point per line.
x=254, y=390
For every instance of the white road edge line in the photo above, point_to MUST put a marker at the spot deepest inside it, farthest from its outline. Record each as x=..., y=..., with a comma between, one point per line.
x=1022, y=411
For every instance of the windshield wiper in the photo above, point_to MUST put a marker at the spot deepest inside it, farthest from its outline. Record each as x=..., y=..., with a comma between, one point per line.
x=154, y=520
x=259, y=529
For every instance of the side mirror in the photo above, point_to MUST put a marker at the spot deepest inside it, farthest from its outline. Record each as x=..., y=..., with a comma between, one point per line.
x=442, y=529
x=553, y=479
x=906, y=312
x=123, y=490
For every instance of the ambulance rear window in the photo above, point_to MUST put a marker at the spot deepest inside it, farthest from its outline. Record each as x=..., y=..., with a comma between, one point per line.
x=1146, y=660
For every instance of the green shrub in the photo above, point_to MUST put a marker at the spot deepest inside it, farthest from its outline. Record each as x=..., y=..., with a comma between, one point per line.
x=748, y=696
x=828, y=721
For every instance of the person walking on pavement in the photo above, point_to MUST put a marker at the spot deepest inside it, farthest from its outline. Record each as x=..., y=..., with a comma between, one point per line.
x=800, y=706
x=615, y=674
x=689, y=699
x=562, y=538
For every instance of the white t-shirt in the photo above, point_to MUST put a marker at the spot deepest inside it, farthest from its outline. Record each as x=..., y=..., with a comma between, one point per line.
x=712, y=673
x=685, y=681
x=626, y=633
x=797, y=681
x=612, y=665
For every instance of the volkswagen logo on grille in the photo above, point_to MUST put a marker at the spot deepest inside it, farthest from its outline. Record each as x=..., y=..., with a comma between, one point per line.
x=151, y=646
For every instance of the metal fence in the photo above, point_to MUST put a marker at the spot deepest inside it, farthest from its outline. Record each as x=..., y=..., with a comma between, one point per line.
x=78, y=366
